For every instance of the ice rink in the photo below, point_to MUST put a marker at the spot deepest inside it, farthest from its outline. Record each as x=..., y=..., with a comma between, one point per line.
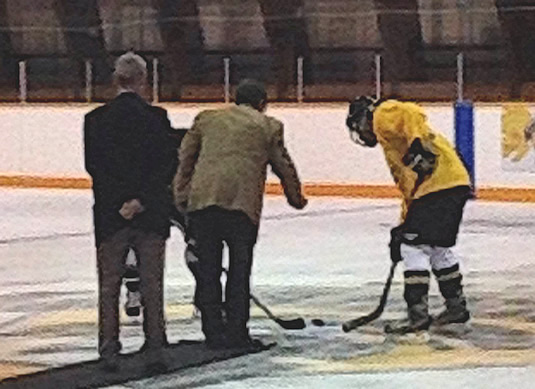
x=328, y=261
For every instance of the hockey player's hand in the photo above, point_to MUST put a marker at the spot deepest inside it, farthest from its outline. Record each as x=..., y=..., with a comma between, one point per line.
x=131, y=208
x=396, y=238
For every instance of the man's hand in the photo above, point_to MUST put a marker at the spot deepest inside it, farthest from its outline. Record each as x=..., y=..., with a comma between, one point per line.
x=181, y=207
x=131, y=208
x=303, y=201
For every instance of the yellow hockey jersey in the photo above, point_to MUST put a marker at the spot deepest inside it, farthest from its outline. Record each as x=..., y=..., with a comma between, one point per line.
x=396, y=125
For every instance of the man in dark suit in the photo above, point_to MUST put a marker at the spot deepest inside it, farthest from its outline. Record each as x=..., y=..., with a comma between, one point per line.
x=130, y=158
x=220, y=180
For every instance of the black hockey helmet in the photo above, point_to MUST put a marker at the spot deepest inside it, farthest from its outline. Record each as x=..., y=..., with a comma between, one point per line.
x=359, y=121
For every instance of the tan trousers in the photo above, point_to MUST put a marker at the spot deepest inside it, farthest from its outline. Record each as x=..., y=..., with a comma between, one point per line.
x=111, y=255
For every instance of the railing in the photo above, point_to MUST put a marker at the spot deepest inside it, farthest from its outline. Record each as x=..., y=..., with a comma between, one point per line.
x=449, y=73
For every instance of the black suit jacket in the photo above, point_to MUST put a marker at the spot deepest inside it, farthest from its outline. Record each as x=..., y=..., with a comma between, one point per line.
x=129, y=155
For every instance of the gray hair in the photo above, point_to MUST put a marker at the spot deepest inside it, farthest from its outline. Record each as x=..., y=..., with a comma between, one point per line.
x=130, y=70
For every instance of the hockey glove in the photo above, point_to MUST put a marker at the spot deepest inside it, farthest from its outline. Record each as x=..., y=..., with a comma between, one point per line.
x=396, y=238
x=420, y=159
x=399, y=235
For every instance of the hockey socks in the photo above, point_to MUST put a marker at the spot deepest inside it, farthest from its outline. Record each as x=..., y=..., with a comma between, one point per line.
x=416, y=296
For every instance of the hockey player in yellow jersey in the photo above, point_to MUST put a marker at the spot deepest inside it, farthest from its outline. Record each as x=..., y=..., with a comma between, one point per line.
x=435, y=186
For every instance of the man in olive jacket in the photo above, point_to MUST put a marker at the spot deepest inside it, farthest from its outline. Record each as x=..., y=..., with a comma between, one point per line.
x=220, y=181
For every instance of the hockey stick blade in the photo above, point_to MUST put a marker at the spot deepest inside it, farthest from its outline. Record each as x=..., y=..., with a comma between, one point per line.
x=360, y=321
x=294, y=324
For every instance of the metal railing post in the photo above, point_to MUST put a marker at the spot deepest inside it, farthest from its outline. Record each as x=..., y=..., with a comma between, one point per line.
x=226, y=64
x=155, y=81
x=460, y=76
x=378, y=75
x=300, y=79
x=23, y=82
x=88, y=80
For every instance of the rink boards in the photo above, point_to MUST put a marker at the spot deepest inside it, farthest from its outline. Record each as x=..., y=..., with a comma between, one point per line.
x=42, y=146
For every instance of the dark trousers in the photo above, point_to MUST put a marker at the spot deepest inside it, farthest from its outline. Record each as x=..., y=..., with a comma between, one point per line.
x=211, y=228
x=111, y=255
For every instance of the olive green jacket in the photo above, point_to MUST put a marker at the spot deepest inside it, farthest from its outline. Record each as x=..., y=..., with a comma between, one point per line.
x=224, y=158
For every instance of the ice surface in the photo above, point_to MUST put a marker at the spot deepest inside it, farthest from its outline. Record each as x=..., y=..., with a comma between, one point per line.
x=329, y=261
x=521, y=377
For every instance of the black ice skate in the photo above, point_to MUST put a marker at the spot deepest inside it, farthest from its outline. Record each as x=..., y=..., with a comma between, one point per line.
x=455, y=313
x=450, y=285
x=417, y=320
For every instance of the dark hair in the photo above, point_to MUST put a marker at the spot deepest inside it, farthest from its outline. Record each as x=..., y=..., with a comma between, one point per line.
x=250, y=92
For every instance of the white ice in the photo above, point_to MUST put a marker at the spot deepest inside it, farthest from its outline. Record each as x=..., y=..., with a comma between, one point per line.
x=329, y=260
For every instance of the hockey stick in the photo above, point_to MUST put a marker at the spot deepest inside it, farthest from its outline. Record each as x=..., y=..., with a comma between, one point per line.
x=294, y=324
x=352, y=324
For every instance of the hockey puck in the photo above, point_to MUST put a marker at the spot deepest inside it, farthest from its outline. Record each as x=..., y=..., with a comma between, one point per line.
x=133, y=311
x=318, y=322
